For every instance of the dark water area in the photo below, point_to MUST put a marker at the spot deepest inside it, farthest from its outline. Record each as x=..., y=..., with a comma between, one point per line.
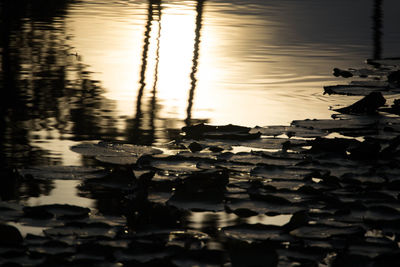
x=75, y=72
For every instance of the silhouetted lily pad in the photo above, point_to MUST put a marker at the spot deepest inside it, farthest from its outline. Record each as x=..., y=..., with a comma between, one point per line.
x=234, y=167
x=270, y=130
x=11, y=211
x=63, y=172
x=175, y=165
x=367, y=105
x=115, y=153
x=372, y=248
x=323, y=231
x=359, y=90
x=82, y=229
x=273, y=143
x=10, y=236
x=338, y=125
x=201, y=190
x=343, y=73
x=389, y=61
x=222, y=132
x=347, y=259
x=52, y=248
x=279, y=172
x=289, y=131
x=61, y=211
x=394, y=109
x=394, y=78
x=259, y=157
x=195, y=147
x=338, y=146
x=255, y=232
x=263, y=207
x=251, y=254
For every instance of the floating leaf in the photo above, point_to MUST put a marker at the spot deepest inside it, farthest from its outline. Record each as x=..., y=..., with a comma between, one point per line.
x=201, y=190
x=243, y=253
x=261, y=157
x=346, y=125
x=61, y=211
x=360, y=90
x=255, y=232
x=371, y=83
x=118, y=160
x=322, y=231
x=279, y=172
x=393, y=61
x=221, y=132
x=82, y=229
x=115, y=153
x=175, y=165
x=52, y=248
x=367, y=105
x=10, y=236
x=289, y=131
x=272, y=143
x=263, y=207
x=63, y=172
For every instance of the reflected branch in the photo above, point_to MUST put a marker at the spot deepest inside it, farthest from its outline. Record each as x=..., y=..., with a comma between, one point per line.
x=377, y=29
x=142, y=82
x=196, y=50
x=157, y=60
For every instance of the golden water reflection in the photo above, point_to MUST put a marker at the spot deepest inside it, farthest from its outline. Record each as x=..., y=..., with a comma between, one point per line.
x=191, y=59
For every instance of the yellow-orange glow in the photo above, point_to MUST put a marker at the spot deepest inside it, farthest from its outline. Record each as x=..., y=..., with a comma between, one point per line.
x=235, y=71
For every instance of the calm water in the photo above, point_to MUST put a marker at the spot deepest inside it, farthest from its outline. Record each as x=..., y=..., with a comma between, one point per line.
x=138, y=71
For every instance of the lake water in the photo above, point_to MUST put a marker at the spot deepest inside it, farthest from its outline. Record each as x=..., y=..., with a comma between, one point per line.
x=138, y=71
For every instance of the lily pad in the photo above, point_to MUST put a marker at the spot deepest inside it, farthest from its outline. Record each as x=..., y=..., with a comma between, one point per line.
x=82, y=230
x=273, y=143
x=359, y=90
x=63, y=172
x=260, y=253
x=52, y=248
x=289, y=131
x=371, y=83
x=347, y=125
x=323, y=231
x=367, y=105
x=279, y=172
x=115, y=153
x=180, y=166
x=260, y=158
x=263, y=207
x=255, y=232
x=201, y=191
x=61, y=211
x=392, y=61
x=220, y=132
x=10, y=236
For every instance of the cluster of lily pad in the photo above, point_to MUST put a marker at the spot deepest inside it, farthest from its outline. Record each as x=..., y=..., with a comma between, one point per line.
x=315, y=193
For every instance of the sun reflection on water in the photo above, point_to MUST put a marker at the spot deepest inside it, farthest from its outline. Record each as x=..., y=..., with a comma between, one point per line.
x=246, y=62
x=174, y=60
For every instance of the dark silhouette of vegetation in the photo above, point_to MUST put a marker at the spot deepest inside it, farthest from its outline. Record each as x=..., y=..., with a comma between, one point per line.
x=195, y=60
x=38, y=95
x=377, y=29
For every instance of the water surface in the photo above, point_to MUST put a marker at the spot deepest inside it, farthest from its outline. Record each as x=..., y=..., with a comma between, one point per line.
x=138, y=71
